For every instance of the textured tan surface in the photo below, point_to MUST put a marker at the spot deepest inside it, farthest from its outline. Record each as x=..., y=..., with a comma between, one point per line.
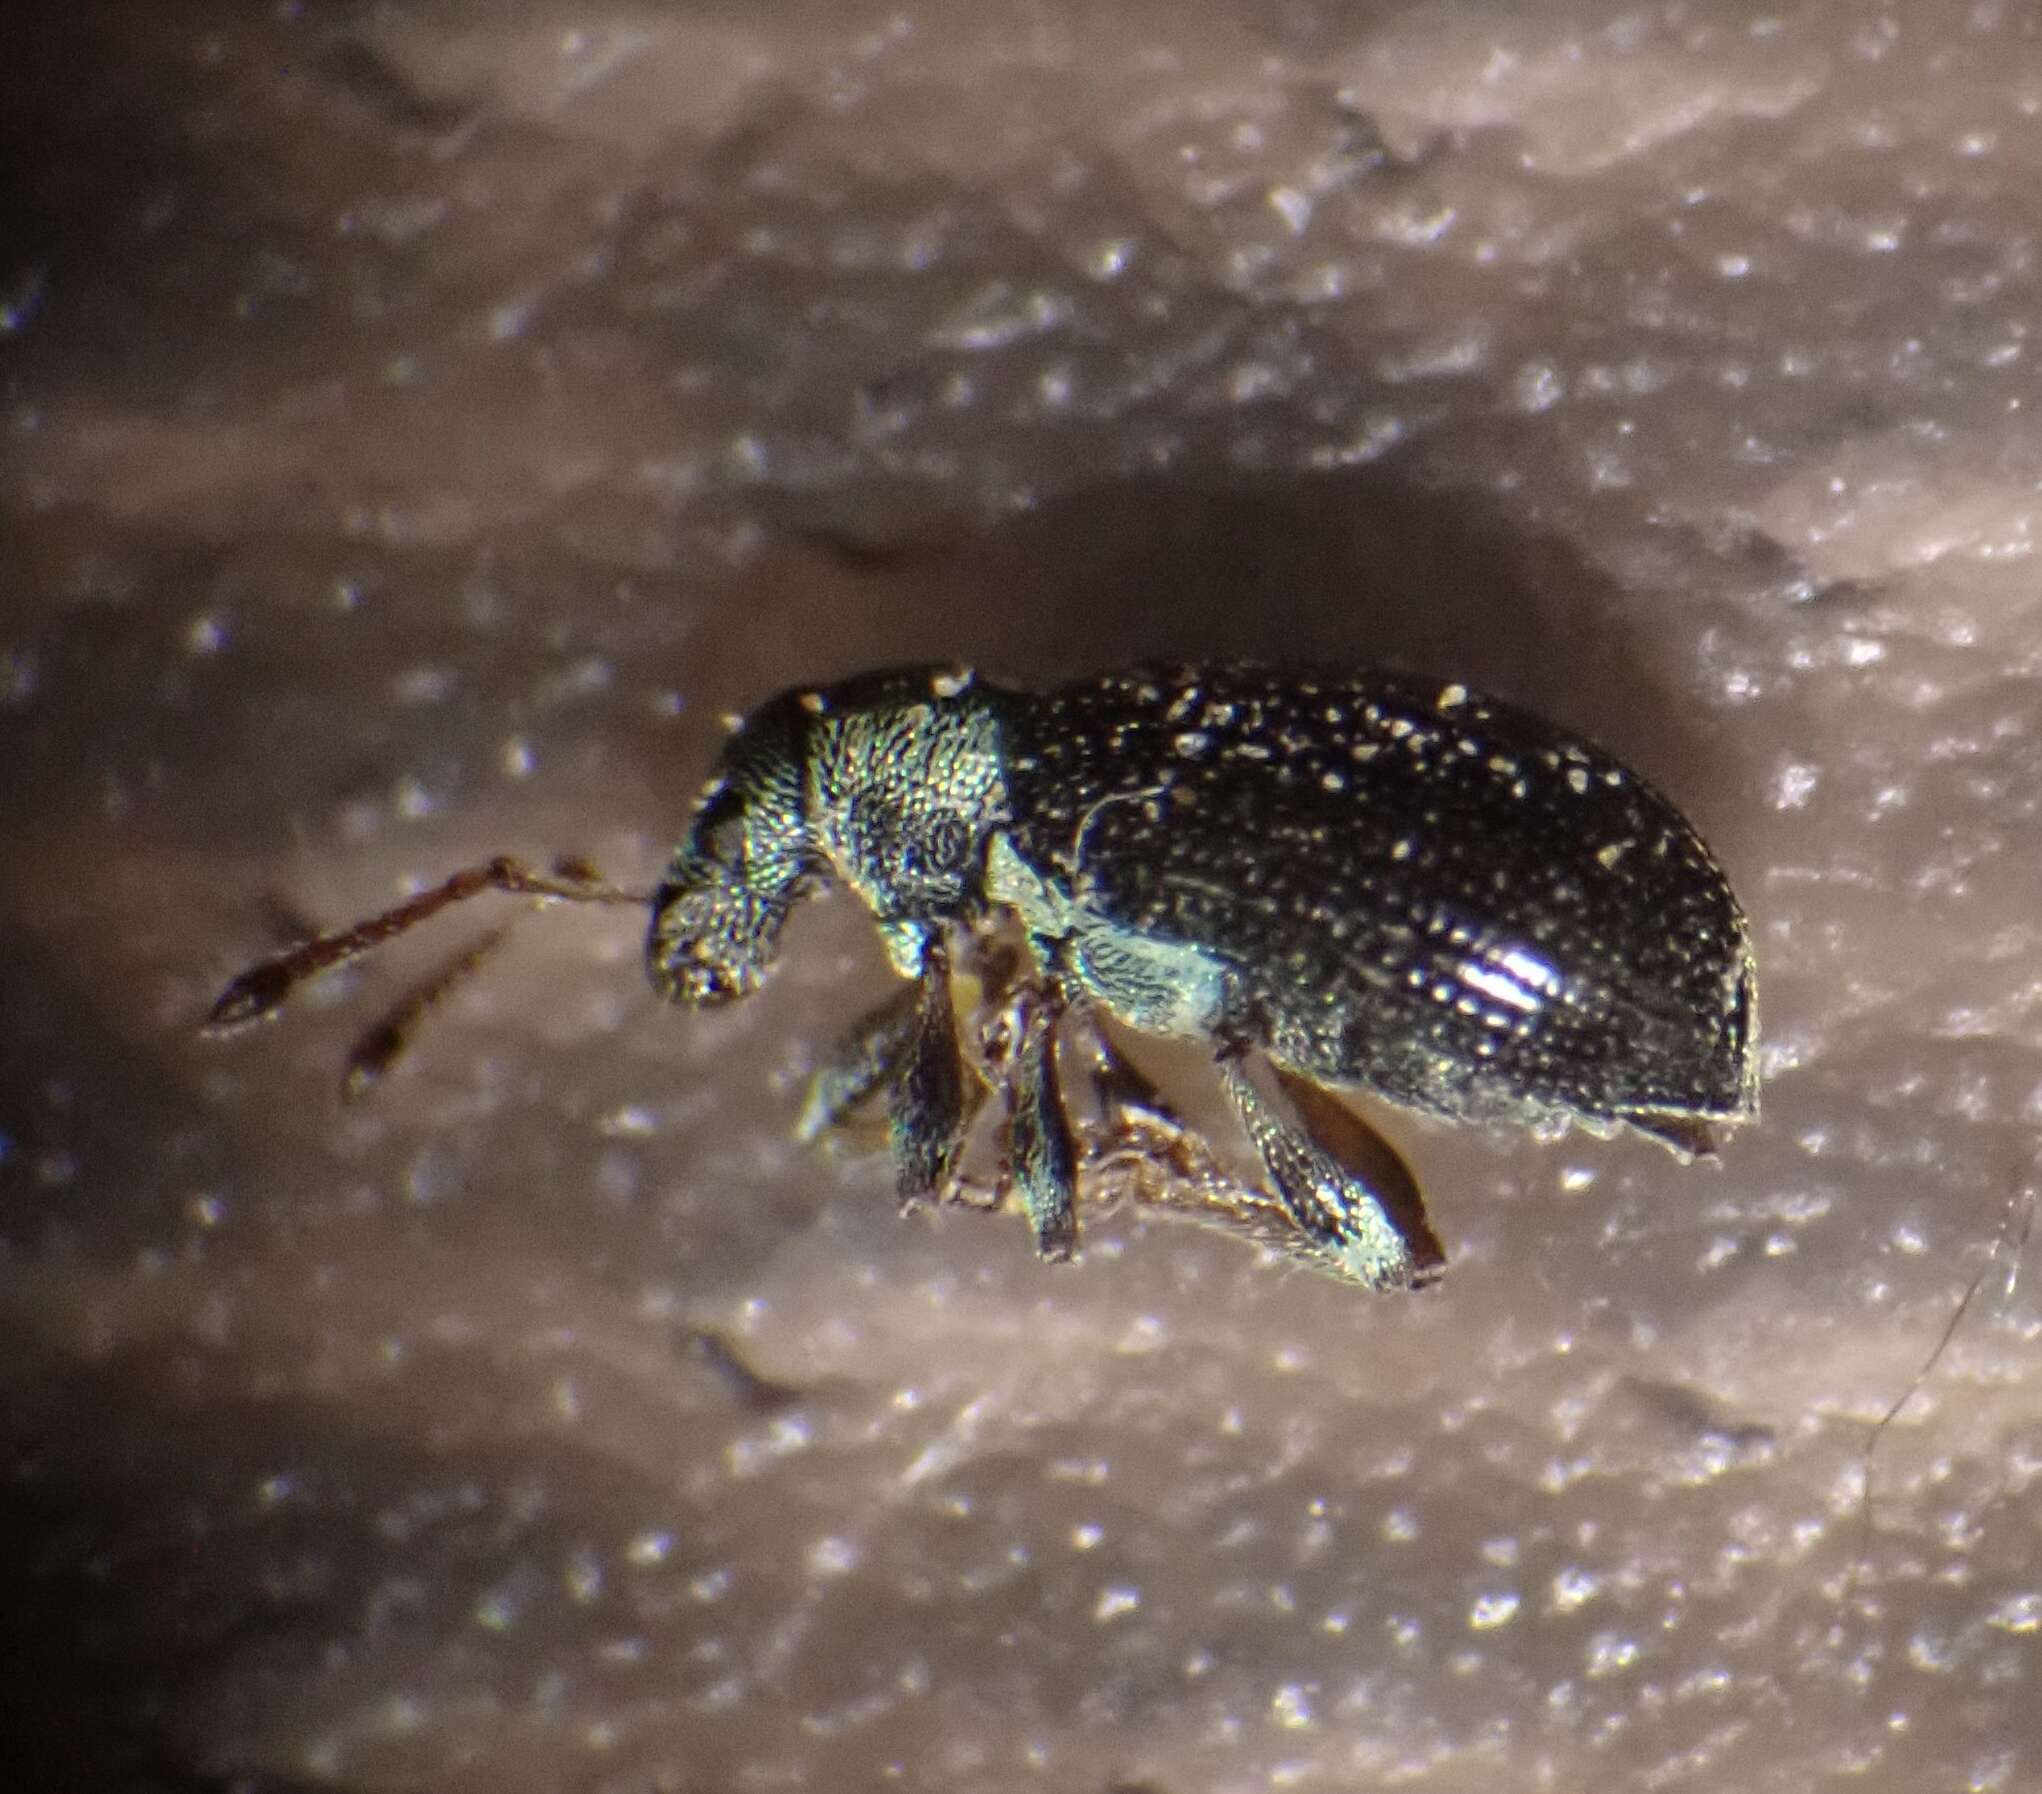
x=420, y=423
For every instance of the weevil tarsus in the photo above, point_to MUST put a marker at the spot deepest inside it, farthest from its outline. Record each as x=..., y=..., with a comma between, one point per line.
x=264, y=987
x=1147, y=1150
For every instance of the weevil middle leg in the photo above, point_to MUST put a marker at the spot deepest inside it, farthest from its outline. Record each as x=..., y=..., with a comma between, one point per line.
x=1044, y=1152
x=903, y=1047
x=1143, y=1149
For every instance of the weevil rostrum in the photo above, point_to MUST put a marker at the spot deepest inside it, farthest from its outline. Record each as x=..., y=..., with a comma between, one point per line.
x=1368, y=880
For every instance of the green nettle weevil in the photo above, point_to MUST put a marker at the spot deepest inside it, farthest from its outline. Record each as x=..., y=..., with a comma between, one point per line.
x=1367, y=880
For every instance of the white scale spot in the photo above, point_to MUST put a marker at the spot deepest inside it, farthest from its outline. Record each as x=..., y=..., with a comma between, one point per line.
x=1116, y=1600
x=1332, y=781
x=1492, y=1610
x=832, y=1556
x=949, y=684
x=1452, y=697
x=1577, y=781
x=1608, y=856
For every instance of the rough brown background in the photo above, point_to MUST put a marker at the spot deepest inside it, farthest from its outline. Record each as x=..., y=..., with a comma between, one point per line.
x=421, y=420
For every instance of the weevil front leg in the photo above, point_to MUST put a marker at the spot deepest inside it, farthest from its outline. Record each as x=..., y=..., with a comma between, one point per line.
x=1355, y=1204
x=866, y=1060
x=935, y=1093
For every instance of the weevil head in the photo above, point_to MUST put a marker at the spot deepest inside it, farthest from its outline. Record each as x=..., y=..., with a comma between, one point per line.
x=889, y=782
x=747, y=861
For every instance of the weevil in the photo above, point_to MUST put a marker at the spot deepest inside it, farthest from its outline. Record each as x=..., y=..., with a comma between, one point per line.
x=1366, y=880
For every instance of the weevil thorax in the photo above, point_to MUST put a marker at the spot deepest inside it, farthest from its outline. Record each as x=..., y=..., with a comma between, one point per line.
x=906, y=781
x=889, y=782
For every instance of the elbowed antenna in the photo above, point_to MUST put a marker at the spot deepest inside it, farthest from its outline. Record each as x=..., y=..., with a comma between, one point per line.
x=263, y=988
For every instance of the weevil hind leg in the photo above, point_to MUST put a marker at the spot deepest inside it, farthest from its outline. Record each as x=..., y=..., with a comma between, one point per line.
x=1369, y=1159
x=1356, y=1207
x=935, y=1094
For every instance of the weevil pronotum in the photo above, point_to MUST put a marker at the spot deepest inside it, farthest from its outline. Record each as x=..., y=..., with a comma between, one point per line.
x=1367, y=880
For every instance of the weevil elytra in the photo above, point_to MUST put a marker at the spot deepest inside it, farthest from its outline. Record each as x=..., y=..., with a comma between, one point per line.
x=1367, y=880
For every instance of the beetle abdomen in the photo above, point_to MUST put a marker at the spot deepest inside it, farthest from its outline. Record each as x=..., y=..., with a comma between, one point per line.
x=1411, y=887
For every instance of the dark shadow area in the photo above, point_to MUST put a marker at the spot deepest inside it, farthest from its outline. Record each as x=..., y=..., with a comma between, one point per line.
x=101, y=1136
x=1355, y=568
x=112, y=1611
x=191, y=1564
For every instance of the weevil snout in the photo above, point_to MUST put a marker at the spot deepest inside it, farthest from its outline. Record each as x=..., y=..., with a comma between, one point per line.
x=711, y=943
x=747, y=861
